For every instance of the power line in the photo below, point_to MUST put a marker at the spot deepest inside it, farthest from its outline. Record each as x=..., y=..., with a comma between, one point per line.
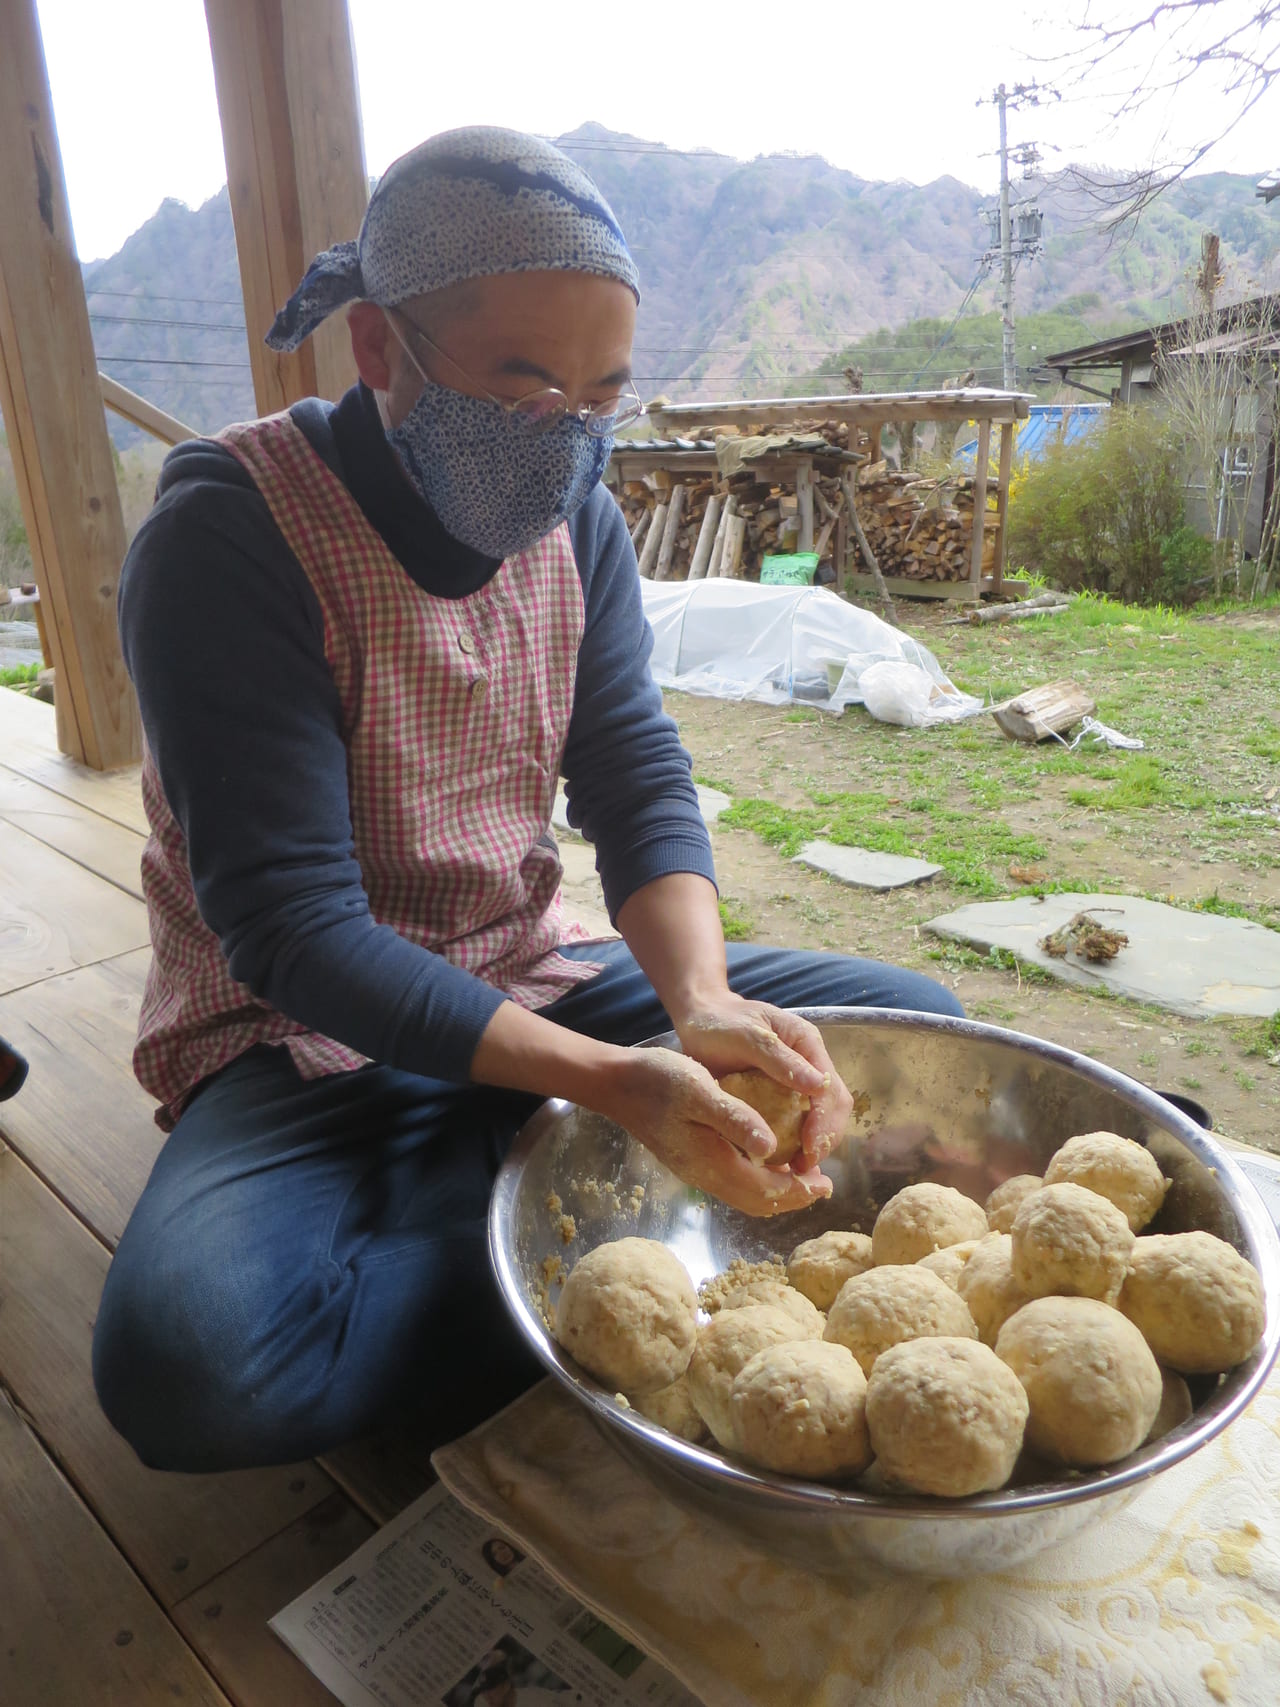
x=187, y=325
x=173, y=361
x=151, y=296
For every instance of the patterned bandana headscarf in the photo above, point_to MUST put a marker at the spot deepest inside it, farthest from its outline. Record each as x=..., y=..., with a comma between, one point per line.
x=464, y=205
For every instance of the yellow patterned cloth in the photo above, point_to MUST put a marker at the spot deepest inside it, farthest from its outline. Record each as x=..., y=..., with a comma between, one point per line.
x=1174, y=1602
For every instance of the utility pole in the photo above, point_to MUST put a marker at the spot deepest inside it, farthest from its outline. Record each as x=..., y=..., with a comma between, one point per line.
x=1006, y=252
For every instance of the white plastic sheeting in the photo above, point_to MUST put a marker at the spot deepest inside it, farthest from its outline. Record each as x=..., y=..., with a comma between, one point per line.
x=738, y=640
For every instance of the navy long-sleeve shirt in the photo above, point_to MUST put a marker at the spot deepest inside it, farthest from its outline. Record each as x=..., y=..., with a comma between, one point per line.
x=224, y=640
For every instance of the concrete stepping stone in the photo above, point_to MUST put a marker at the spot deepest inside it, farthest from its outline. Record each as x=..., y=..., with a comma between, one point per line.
x=1190, y=963
x=864, y=869
x=711, y=803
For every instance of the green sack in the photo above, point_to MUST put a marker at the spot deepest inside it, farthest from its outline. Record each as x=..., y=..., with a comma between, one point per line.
x=793, y=570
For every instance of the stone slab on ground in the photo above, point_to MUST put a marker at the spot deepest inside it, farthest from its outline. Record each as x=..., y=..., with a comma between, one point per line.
x=580, y=889
x=711, y=803
x=864, y=869
x=19, y=644
x=1191, y=963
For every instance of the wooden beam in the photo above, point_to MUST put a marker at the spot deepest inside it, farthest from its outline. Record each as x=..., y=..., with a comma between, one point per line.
x=865, y=409
x=285, y=76
x=1002, y=500
x=53, y=413
x=139, y=413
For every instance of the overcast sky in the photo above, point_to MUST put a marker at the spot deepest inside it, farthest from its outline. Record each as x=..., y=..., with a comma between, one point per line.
x=887, y=91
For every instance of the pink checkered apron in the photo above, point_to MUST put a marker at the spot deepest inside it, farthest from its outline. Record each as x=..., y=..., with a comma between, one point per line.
x=454, y=715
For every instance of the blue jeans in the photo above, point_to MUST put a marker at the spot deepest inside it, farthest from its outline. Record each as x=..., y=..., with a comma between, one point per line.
x=309, y=1256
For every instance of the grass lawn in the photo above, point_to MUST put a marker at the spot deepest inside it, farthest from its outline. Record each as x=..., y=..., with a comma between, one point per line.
x=1193, y=819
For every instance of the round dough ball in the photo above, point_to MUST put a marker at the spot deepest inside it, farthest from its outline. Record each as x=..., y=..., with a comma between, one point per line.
x=1092, y=1384
x=923, y=1218
x=819, y=1267
x=885, y=1305
x=801, y=1410
x=1070, y=1242
x=1196, y=1301
x=987, y=1285
x=945, y=1417
x=1175, y=1406
x=1116, y=1168
x=783, y=1110
x=628, y=1313
x=673, y=1409
x=1003, y=1203
x=725, y=1344
x=948, y=1262
x=806, y=1316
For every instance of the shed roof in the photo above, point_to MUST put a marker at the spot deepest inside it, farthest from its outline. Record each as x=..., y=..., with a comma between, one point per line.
x=1232, y=318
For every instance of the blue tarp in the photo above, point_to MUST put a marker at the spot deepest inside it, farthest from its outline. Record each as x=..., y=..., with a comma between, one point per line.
x=1049, y=423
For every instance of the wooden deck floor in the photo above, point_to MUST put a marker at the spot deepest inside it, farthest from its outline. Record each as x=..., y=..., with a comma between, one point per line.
x=119, y=1586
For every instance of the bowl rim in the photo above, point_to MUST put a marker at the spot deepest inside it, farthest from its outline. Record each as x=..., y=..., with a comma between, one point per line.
x=822, y=1499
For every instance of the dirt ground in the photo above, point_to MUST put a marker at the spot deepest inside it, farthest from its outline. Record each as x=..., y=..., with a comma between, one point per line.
x=1194, y=819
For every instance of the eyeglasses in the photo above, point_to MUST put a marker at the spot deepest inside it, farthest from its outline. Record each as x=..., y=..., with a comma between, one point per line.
x=542, y=409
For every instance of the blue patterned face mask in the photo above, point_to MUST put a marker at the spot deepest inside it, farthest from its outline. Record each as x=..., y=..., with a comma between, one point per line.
x=497, y=483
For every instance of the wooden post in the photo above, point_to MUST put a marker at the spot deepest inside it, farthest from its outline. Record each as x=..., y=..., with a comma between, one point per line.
x=979, y=506
x=1002, y=503
x=285, y=76
x=638, y=531
x=669, y=534
x=53, y=414
x=804, y=497
x=735, y=534
x=706, y=540
x=652, y=540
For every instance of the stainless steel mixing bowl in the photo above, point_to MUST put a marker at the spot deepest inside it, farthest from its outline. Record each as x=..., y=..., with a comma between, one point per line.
x=934, y=1099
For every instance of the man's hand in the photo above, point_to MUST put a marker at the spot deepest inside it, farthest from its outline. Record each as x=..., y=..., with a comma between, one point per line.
x=727, y=1033
x=674, y=1107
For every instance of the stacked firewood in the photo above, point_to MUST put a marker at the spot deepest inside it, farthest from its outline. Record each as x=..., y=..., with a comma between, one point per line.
x=920, y=530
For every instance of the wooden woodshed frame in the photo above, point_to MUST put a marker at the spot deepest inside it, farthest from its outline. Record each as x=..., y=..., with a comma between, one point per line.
x=865, y=413
x=290, y=113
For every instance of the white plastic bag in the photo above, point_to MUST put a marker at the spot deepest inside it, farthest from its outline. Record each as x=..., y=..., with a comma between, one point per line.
x=899, y=693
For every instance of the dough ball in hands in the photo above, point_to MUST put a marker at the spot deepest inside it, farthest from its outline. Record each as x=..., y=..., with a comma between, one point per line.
x=1196, y=1301
x=948, y=1262
x=781, y=1109
x=945, y=1416
x=673, y=1409
x=1175, y=1406
x=1003, y=1203
x=1070, y=1242
x=628, y=1313
x=819, y=1267
x=725, y=1344
x=776, y=1293
x=923, y=1218
x=987, y=1285
x=1116, y=1168
x=885, y=1305
x=1092, y=1384
x=801, y=1410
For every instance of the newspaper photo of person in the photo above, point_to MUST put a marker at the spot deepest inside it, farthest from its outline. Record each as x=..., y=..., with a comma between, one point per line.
x=500, y=1556
x=508, y=1675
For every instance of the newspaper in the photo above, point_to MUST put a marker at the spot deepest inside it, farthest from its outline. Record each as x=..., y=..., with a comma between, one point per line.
x=439, y=1609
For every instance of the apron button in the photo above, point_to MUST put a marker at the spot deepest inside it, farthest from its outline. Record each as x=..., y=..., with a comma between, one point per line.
x=479, y=688
x=466, y=642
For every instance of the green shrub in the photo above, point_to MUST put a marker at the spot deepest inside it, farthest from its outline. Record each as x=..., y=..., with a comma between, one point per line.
x=1099, y=513
x=1188, y=563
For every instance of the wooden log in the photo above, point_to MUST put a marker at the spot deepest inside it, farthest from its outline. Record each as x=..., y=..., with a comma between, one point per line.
x=638, y=531
x=285, y=77
x=701, y=558
x=731, y=560
x=717, y=550
x=652, y=540
x=670, y=532
x=1044, y=712
x=52, y=410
